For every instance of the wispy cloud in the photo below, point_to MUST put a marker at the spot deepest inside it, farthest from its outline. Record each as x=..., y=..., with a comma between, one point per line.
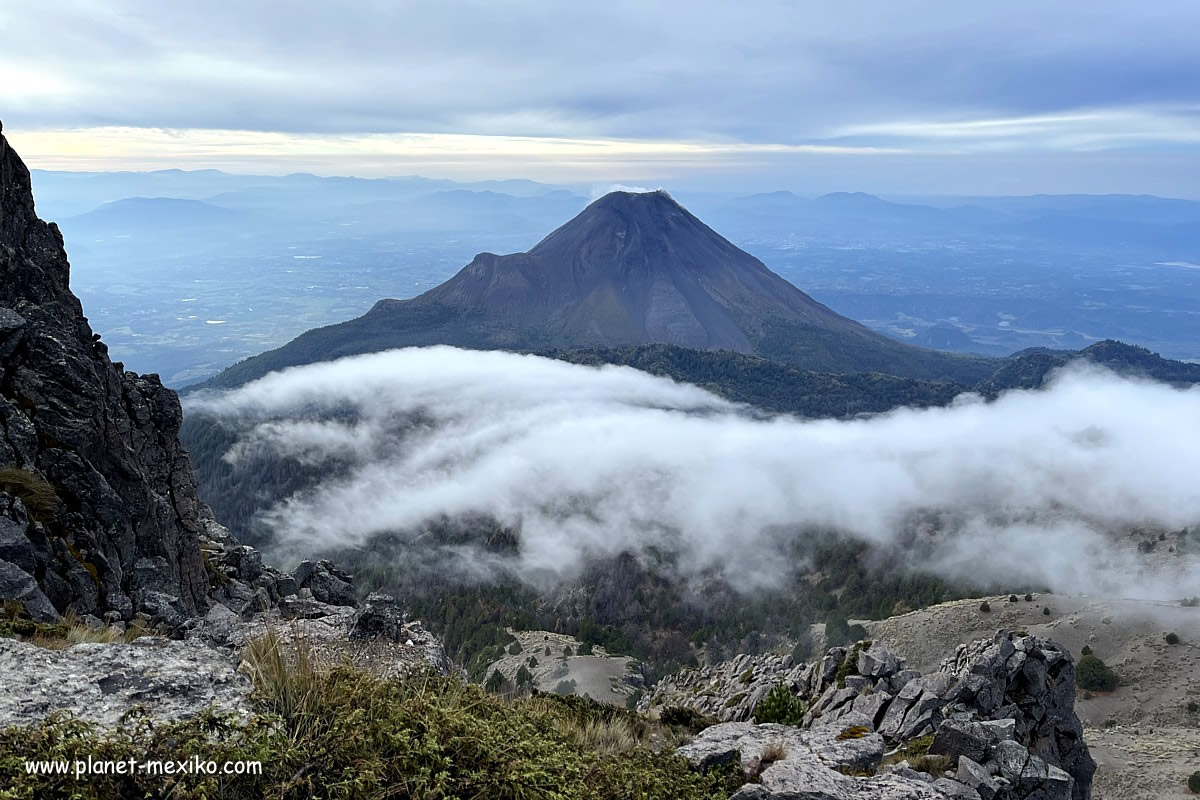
x=389, y=154
x=1080, y=130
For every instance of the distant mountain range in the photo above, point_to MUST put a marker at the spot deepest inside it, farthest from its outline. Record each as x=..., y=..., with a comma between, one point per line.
x=68, y=194
x=1082, y=221
x=632, y=268
x=159, y=254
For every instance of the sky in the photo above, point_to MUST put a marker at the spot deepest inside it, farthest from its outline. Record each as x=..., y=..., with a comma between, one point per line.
x=934, y=97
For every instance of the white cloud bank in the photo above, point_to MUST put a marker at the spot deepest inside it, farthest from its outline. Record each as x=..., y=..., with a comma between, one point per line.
x=589, y=461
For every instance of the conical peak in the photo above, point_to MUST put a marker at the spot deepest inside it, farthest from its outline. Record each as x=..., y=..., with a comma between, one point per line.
x=659, y=198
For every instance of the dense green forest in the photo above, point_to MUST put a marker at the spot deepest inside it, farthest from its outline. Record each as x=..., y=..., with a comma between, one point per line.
x=771, y=385
x=638, y=607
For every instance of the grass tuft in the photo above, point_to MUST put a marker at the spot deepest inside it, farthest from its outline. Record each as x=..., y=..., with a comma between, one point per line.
x=38, y=496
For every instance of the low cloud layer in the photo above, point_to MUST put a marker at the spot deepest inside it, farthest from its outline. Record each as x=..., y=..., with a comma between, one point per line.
x=1033, y=488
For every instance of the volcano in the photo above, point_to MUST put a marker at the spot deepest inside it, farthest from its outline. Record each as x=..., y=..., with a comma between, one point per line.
x=631, y=268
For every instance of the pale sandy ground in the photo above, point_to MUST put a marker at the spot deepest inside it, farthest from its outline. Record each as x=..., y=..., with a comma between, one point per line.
x=599, y=676
x=1142, y=736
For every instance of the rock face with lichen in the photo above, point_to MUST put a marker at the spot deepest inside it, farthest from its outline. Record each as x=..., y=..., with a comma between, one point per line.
x=102, y=682
x=118, y=533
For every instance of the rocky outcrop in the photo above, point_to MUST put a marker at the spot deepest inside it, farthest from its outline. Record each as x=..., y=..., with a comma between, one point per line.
x=997, y=719
x=99, y=683
x=99, y=515
x=375, y=635
x=824, y=763
x=116, y=523
x=728, y=691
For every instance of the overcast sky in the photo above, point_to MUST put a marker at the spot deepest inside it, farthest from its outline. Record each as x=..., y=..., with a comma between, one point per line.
x=877, y=95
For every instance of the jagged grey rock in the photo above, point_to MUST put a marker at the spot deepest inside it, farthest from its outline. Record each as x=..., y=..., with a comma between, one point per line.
x=731, y=690
x=328, y=583
x=98, y=683
x=877, y=661
x=973, y=740
x=16, y=585
x=974, y=775
x=104, y=438
x=809, y=767
x=1002, y=710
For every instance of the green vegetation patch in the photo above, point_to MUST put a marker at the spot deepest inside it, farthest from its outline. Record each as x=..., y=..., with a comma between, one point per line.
x=344, y=734
x=849, y=665
x=1093, y=674
x=780, y=706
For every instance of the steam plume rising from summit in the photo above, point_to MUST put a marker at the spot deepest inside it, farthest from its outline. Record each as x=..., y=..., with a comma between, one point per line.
x=595, y=461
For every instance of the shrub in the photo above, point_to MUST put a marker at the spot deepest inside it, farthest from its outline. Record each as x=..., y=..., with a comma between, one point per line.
x=1046, y=611
x=568, y=652
x=565, y=687
x=912, y=751
x=1172, y=638
x=985, y=607
x=1086, y=651
x=514, y=649
x=849, y=665
x=38, y=497
x=780, y=706
x=216, y=575
x=585, y=649
x=683, y=717
x=1012, y=598
x=1194, y=783
x=1028, y=597
x=1193, y=706
x=524, y=677
x=774, y=751
x=1092, y=673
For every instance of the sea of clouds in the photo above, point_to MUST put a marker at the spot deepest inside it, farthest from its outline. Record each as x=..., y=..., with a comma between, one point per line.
x=1039, y=487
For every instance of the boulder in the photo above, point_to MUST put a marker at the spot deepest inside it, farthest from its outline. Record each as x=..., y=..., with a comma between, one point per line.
x=813, y=764
x=878, y=662
x=956, y=738
x=328, y=583
x=98, y=683
x=18, y=586
x=975, y=776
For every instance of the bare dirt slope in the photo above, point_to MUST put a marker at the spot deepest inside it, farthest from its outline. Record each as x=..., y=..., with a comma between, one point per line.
x=1142, y=735
x=608, y=679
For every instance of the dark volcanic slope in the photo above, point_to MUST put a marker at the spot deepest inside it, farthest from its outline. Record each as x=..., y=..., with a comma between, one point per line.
x=629, y=269
x=98, y=508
